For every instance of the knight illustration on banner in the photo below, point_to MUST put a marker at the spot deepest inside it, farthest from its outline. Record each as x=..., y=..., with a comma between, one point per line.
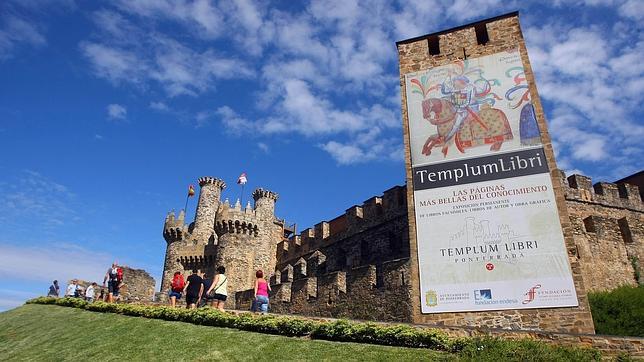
x=460, y=103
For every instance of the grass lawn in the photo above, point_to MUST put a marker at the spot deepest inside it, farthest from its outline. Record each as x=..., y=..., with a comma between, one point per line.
x=47, y=332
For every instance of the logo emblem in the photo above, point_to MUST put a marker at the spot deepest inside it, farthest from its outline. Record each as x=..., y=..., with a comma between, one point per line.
x=483, y=294
x=531, y=294
x=489, y=266
x=431, y=299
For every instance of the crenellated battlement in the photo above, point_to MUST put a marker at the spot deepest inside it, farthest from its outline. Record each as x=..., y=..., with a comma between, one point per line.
x=174, y=228
x=206, y=180
x=622, y=195
x=263, y=193
x=304, y=288
x=235, y=220
x=356, y=219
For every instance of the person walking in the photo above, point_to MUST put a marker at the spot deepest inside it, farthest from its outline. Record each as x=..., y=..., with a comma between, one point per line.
x=114, y=278
x=90, y=292
x=206, y=298
x=261, y=292
x=220, y=289
x=176, y=288
x=71, y=289
x=193, y=290
x=54, y=290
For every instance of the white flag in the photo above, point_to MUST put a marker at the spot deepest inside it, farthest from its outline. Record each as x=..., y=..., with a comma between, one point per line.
x=242, y=179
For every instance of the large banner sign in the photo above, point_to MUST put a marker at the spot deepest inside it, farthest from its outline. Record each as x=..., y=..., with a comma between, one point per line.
x=488, y=229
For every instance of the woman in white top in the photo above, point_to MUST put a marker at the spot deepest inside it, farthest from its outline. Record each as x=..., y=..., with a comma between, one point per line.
x=219, y=287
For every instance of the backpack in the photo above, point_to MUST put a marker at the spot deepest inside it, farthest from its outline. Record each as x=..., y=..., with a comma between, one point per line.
x=178, y=283
x=119, y=275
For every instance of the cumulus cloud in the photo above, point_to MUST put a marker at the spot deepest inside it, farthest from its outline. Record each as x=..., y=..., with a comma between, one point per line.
x=116, y=112
x=16, y=31
x=128, y=53
x=42, y=264
x=592, y=82
x=326, y=70
x=159, y=106
x=33, y=196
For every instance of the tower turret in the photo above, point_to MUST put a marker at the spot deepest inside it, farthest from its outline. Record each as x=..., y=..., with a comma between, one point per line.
x=247, y=240
x=209, y=200
x=265, y=201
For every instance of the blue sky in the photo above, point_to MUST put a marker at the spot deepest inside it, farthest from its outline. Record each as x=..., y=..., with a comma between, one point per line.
x=108, y=110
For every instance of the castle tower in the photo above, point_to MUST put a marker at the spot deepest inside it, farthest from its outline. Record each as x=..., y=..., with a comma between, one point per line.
x=209, y=199
x=247, y=240
x=469, y=98
x=174, y=230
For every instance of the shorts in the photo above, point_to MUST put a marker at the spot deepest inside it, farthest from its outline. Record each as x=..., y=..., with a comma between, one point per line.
x=113, y=287
x=220, y=297
x=260, y=304
x=191, y=299
x=174, y=294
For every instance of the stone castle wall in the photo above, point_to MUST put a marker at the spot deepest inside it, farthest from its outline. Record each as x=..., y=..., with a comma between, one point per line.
x=608, y=226
x=354, y=265
x=138, y=285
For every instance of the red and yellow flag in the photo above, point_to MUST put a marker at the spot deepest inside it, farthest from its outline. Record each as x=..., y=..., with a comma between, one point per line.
x=191, y=191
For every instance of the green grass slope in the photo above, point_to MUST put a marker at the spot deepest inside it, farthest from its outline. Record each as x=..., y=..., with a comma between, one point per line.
x=46, y=332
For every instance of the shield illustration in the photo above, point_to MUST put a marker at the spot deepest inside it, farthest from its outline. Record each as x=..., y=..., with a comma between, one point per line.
x=431, y=299
x=460, y=99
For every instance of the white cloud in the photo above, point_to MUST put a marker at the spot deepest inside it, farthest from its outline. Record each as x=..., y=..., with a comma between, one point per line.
x=263, y=147
x=116, y=112
x=233, y=123
x=56, y=261
x=327, y=69
x=591, y=81
x=159, y=106
x=115, y=65
x=16, y=31
x=200, y=15
x=129, y=54
x=344, y=153
x=32, y=196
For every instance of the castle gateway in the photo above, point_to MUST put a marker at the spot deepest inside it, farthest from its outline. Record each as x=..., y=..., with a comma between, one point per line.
x=486, y=234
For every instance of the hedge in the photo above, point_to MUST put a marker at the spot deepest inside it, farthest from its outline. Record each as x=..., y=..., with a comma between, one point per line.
x=619, y=311
x=344, y=331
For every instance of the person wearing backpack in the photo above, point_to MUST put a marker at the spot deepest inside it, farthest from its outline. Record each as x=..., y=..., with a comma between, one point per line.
x=114, y=278
x=219, y=288
x=176, y=288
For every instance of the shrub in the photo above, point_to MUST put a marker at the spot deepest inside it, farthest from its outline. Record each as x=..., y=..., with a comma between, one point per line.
x=619, y=311
x=342, y=330
x=395, y=335
x=496, y=349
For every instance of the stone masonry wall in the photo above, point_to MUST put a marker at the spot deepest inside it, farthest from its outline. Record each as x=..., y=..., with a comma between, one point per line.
x=355, y=266
x=608, y=224
x=138, y=285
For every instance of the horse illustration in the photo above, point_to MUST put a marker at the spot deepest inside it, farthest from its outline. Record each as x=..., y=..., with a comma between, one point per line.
x=487, y=126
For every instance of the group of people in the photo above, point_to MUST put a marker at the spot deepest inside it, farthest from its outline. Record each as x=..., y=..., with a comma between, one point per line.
x=201, y=290
x=113, y=278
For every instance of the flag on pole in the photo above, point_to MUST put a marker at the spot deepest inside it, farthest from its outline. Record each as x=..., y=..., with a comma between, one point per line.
x=191, y=191
x=242, y=179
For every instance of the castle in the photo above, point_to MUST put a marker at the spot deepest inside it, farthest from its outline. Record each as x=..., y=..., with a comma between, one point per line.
x=357, y=264
x=363, y=264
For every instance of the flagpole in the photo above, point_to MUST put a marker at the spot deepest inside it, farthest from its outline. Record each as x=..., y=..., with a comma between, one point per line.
x=242, y=196
x=185, y=208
